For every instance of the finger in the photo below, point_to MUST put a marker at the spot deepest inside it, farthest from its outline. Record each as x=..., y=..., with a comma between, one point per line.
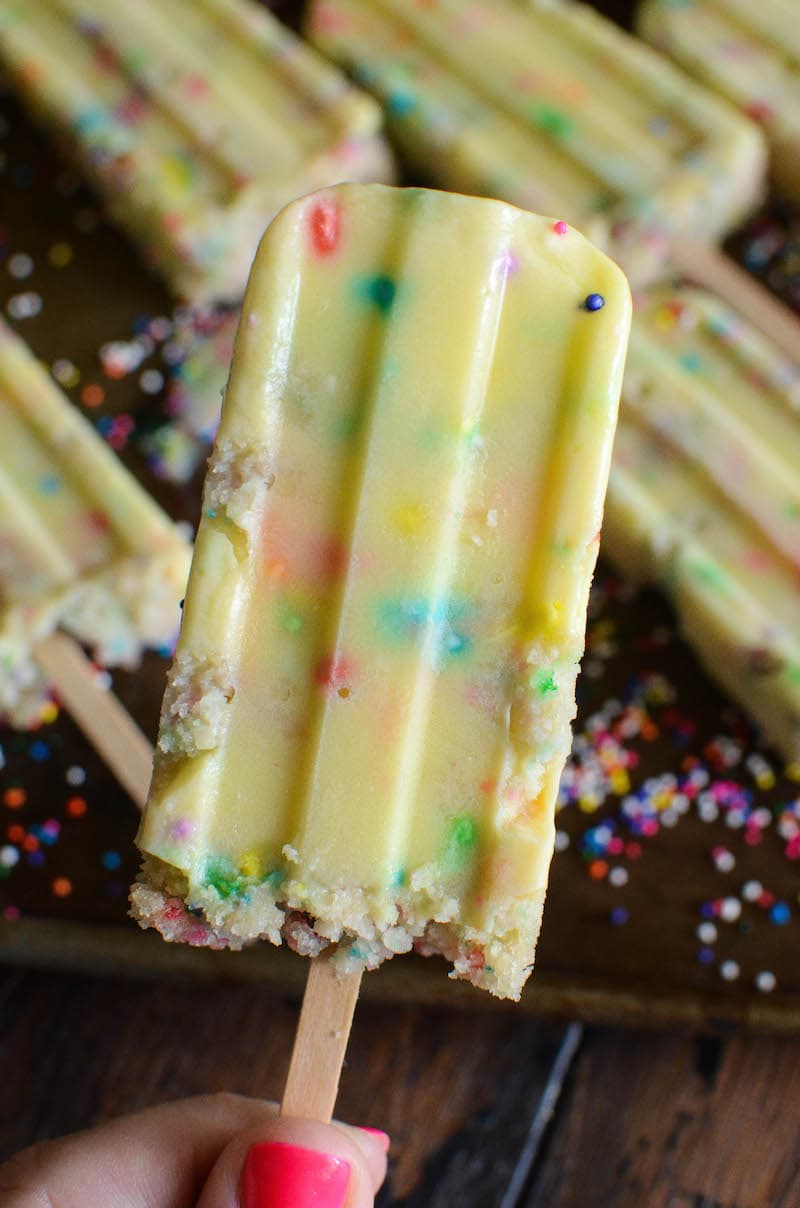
x=287, y=1163
x=159, y=1157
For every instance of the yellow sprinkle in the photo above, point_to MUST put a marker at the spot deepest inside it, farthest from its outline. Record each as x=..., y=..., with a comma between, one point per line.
x=793, y=771
x=251, y=864
x=588, y=805
x=48, y=712
x=59, y=255
x=620, y=782
x=765, y=780
x=408, y=518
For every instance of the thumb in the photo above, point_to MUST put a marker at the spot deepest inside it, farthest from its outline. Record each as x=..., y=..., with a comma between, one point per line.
x=287, y=1163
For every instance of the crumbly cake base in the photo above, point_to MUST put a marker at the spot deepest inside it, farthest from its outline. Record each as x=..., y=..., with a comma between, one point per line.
x=162, y=898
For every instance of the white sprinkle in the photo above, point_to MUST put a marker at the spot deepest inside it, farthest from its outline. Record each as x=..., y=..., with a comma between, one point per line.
x=151, y=381
x=24, y=306
x=9, y=856
x=75, y=775
x=64, y=371
x=724, y=860
x=766, y=981
x=729, y=970
x=618, y=877
x=730, y=909
x=562, y=840
x=752, y=891
x=491, y=518
x=707, y=933
x=20, y=265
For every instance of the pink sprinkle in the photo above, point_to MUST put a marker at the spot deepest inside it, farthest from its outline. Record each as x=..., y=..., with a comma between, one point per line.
x=182, y=829
x=325, y=223
x=560, y=227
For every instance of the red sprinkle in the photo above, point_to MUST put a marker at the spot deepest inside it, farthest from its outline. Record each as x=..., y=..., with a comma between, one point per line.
x=560, y=227
x=325, y=225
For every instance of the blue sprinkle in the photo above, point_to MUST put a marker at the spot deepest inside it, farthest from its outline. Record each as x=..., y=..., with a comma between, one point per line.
x=401, y=103
x=706, y=956
x=111, y=860
x=36, y=859
x=593, y=302
x=619, y=916
x=692, y=361
x=39, y=751
x=780, y=914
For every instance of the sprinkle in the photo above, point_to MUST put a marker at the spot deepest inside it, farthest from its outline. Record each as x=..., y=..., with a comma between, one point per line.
x=62, y=887
x=780, y=914
x=619, y=916
x=618, y=877
x=325, y=226
x=560, y=227
x=380, y=290
x=593, y=302
x=93, y=394
x=15, y=798
x=24, y=306
x=76, y=807
x=729, y=970
x=151, y=381
x=59, y=255
x=707, y=933
x=766, y=981
x=730, y=909
x=20, y=265
x=66, y=373
x=9, y=856
x=752, y=891
x=562, y=840
x=724, y=860
x=111, y=860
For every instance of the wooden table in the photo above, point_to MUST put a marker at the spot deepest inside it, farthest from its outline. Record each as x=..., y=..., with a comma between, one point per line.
x=487, y=1110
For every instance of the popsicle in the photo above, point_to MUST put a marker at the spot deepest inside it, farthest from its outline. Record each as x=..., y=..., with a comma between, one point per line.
x=370, y=703
x=704, y=496
x=747, y=50
x=195, y=121
x=551, y=106
x=83, y=548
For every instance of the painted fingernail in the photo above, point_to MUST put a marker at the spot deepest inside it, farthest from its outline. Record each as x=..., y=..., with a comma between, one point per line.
x=277, y=1175
x=383, y=1139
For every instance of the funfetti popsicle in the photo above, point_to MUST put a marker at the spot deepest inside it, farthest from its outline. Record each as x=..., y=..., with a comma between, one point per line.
x=370, y=704
x=553, y=107
x=83, y=547
x=196, y=120
x=704, y=496
x=749, y=51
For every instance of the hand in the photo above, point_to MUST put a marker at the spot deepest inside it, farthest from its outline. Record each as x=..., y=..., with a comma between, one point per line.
x=214, y=1151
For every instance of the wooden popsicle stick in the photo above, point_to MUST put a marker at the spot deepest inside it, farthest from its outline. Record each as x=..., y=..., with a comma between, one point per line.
x=320, y=1042
x=108, y=726
x=712, y=269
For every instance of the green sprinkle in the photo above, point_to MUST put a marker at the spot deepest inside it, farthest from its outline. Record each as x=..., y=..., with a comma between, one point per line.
x=553, y=121
x=461, y=841
x=221, y=876
x=545, y=683
x=709, y=574
x=380, y=290
x=400, y=878
x=275, y=878
x=793, y=673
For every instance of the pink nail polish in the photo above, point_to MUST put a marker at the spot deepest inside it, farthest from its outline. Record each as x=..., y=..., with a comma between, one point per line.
x=277, y=1175
x=380, y=1136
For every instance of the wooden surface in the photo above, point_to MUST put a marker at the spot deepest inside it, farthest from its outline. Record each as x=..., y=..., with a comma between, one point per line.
x=484, y=1111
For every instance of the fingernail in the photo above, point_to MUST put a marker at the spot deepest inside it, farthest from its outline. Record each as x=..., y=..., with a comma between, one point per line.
x=383, y=1139
x=277, y=1175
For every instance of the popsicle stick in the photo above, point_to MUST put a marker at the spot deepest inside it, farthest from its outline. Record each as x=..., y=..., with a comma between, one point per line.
x=711, y=268
x=320, y=1042
x=108, y=726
